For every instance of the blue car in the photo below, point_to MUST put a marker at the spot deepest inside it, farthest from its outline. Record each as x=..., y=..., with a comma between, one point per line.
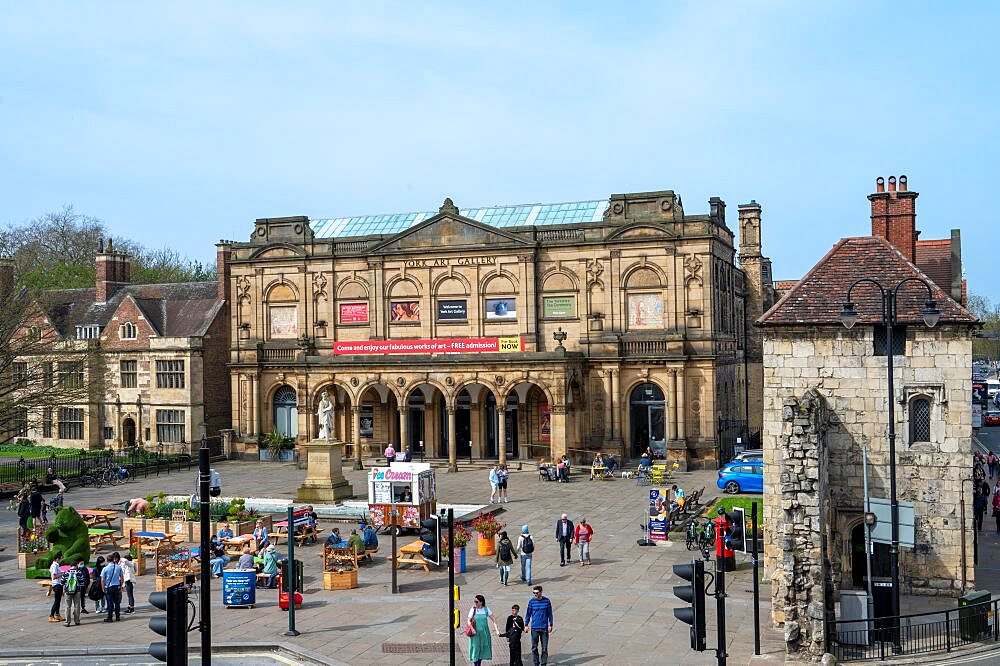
x=741, y=477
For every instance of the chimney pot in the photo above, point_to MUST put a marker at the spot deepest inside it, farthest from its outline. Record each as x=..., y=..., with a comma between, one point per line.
x=880, y=184
x=902, y=183
x=892, y=183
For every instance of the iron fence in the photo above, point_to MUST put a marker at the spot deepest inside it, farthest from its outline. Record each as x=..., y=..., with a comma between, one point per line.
x=940, y=631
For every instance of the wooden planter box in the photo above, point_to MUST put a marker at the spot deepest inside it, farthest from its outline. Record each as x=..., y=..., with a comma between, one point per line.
x=25, y=560
x=163, y=582
x=191, y=528
x=347, y=580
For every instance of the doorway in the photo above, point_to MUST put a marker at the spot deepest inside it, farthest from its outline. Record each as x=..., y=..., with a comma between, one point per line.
x=128, y=432
x=415, y=420
x=648, y=415
x=286, y=415
x=463, y=425
x=859, y=568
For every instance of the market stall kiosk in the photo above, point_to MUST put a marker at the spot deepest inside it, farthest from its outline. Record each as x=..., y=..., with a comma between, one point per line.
x=411, y=487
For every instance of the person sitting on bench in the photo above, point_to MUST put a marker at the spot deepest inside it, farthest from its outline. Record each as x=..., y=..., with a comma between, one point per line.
x=335, y=540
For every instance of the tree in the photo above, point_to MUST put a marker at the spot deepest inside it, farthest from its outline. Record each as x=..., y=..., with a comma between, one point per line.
x=989, y=314
x=40, y=371
x=56, y=251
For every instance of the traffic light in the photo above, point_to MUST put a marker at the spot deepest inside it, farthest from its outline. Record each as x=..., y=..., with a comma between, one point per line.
x=738, y=532
x=694, y=594
x=173, y=626
x=430, y=534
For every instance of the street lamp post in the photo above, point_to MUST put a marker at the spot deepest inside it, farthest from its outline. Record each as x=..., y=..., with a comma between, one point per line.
x=930, y=315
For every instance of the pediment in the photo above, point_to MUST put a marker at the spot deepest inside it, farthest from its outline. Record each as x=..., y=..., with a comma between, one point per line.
x=640, y=231
x=447, y=231
x=278, y=251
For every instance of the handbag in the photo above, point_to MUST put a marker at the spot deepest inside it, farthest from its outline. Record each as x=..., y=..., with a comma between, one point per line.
x=469, y=629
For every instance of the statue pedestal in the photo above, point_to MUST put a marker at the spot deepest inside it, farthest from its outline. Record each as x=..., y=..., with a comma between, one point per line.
x=325, y=482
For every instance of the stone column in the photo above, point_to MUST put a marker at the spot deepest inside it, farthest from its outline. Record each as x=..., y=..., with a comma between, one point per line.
x=681, y=407
x=325, y=482
x=557, y=440
x=356, y=435
x=672, y=423
x=476, y=429
x=452, y=441
x=227, y=442
x=501, y=434
x=609, y=398
x=403, y=428
x=617, y=400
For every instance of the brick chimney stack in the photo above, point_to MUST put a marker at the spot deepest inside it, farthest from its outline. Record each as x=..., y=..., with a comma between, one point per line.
x=894, y=215
x=223, y=253
x=114, y=271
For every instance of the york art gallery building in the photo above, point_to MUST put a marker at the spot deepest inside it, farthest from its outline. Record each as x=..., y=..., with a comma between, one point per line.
x=505, y=333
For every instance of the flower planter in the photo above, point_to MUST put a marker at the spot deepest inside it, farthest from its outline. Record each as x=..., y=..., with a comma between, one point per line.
x=344, y=580
x=487, y=546
x=25, y=560
x=190, y=529
x=458, y=559
x=163, y=582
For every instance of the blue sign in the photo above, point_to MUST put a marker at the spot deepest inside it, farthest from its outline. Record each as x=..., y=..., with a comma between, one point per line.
x=239, y=587
x=659, y=512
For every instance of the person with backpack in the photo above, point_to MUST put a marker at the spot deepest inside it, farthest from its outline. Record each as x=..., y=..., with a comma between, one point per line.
x=23, y=513
x=73, y=586
x=526, y=545
x=55, y=575
x=83, y=572
x=513, y=633
x=505, y=556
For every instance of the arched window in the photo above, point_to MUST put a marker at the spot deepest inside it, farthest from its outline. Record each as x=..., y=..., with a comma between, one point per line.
x=920, y=420
x=127, y=331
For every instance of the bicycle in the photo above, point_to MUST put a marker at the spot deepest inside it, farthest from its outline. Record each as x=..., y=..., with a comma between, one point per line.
x=706, y=538
x=92, y=477
x=691, y=535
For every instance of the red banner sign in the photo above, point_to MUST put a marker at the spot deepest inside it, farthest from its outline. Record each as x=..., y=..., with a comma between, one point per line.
x=434, y=346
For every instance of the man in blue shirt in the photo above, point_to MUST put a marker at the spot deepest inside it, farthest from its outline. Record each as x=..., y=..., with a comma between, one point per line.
x=335, y=540
x=226, y=532
x=538, y=620
x=111, y=583
x=370, y=537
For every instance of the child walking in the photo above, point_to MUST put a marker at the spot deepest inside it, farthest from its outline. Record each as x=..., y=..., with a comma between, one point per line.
x=513, y=632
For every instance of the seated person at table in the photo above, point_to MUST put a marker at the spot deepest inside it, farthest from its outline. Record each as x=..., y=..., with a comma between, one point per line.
x=246, y=560
x=678, y=501
x=356, y=542
x=226, y=532
x=260, y=536
x=594, y=466
x=218, y=555
x=611, y=464
x=370, y=537
x=645, y=462
x=335, y=540
x=270, y=566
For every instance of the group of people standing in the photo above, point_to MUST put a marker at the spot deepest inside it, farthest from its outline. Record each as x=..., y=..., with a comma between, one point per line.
x=104, y=586
x=499, y=475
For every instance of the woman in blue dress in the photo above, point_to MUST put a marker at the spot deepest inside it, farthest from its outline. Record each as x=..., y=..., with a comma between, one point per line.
x=481, y=644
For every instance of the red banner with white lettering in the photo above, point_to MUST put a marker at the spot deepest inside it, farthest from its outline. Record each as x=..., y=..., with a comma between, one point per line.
x=430, y=346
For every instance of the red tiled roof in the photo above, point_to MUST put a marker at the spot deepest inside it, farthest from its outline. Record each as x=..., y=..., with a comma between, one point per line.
x=785, y=285
x=819, y=297
x=934, y=259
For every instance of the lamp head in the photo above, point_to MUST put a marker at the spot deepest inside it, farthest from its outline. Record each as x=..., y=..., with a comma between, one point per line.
x=930, y=313
x=848, y=316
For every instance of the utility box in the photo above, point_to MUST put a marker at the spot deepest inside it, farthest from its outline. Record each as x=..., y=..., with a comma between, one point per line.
x=974, y=611
x=854, y=625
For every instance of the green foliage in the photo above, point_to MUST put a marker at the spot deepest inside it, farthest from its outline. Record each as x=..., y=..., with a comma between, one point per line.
x=68, y=535
x=274, y=442
x=218, y=510
x=27, y=449
x=728, y=503
x=989, y=314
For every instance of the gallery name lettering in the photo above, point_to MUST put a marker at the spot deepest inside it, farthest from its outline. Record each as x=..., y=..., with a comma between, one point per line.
x=445, y=261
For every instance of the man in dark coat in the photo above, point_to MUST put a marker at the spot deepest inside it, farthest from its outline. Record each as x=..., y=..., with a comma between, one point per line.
x=564, y=535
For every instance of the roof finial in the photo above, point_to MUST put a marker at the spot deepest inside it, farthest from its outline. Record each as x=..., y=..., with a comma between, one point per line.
x=111, y=249
x=448, y=207
x=101, y=245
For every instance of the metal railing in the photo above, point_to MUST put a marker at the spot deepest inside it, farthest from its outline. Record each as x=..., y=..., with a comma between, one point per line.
x=940, y=631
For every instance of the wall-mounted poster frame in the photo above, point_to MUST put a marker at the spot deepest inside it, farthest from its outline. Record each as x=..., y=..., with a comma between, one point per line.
x=645, y=311
x=559, y=307
x=354, y=313
x=284, y=321
x=401, y=312
x=501, y=309
x=453, y=310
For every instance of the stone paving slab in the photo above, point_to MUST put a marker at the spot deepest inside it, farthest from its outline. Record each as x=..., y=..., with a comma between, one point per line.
x=619, y=610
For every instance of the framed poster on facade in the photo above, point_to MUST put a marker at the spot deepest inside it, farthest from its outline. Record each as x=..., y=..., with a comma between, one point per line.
x=284, y=322
x=544, y=423
x=366, y=421
x=401, y=311
x=452, y=310
x=555, y=307
x=501, y=309
x=353, y=313
x=645, y=311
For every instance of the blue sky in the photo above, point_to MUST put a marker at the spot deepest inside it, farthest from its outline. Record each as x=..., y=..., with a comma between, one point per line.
x=179, y=124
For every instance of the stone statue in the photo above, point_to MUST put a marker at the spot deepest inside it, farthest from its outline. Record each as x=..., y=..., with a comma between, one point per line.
x=325, y=414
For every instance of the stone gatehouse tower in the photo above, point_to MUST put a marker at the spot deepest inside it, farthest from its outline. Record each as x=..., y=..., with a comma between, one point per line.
x=513, y=332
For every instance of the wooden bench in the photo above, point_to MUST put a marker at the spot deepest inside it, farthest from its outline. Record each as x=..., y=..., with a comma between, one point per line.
x=370, y=552
x=694, y=501
x=282, y=529
x=307, y=533
x=261, y=579
x=410, y=554
x=47, y=584
x=103, y=537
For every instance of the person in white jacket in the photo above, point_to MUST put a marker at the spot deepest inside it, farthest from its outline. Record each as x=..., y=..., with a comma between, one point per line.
x=128, y=575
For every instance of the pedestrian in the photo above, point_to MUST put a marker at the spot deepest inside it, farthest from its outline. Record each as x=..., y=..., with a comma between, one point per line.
x=390, y=455
x=503, y=474
x=996, y=510
x=991, y=461
x=513, y=632
x=36, y=500
x=538, y=620
x=506, y=552
x=74, y=588
x=97, y=588
x=55, y=575
x=111, y=583
x=128, y=576
x=53, y=478
x=481, y=641
x=526, y=545
x=219, y=559
x=979, y=507
x=564, y=535
x=23, y=513
x=494, y=482
x=581, y=537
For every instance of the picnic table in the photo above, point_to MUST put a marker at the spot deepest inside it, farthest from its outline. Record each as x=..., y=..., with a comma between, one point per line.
x=598, y=472
x=150, y=541
x=281, y=532
x=410, y=554
x=95, y=517
x=103, y=537
x=234, y=545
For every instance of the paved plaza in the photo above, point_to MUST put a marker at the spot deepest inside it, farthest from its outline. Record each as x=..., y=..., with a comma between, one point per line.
x=618, y=611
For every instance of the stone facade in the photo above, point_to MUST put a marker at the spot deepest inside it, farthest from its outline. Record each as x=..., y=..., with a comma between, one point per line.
x=611, y=333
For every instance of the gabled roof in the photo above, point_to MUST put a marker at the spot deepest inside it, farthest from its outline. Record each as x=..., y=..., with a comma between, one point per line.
x=819, y=297
x=183, y=309
x=934, y=259
x=446, y=230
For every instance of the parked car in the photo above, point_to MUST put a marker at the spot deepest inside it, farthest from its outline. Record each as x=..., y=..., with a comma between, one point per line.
x=750, y=455
x=991, y=417
x=741, y=477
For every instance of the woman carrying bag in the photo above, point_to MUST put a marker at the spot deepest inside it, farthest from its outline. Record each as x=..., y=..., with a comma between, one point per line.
x=478, y=631
x=506, y=554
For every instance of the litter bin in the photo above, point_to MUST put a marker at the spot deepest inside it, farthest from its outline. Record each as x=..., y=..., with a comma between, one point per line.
x=974, y=615
x=299, y=584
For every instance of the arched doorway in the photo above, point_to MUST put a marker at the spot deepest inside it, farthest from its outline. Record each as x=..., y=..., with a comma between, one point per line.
x=647, y=410
x=286, y=413
x=859, y=568
x=128, y=432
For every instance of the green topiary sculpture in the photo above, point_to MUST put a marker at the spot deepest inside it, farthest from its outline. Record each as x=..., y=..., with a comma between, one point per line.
x=68, y=535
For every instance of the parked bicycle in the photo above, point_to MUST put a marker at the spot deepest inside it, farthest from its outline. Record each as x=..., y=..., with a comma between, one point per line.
x=706, y=537
x=92, y=477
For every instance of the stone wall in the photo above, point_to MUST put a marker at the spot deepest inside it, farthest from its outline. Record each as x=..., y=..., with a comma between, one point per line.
x=799, y=527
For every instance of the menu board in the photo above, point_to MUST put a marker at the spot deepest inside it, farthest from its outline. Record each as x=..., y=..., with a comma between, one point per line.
x=383, y=492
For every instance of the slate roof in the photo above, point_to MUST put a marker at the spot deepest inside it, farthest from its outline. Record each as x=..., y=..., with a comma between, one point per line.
x=819, y=297
x=934, y=259
x=183, y=309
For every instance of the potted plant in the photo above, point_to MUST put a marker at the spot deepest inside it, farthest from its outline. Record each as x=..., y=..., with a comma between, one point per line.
x=29, y=547
x=488, y=527
x=277, y=447
x=462, y=538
